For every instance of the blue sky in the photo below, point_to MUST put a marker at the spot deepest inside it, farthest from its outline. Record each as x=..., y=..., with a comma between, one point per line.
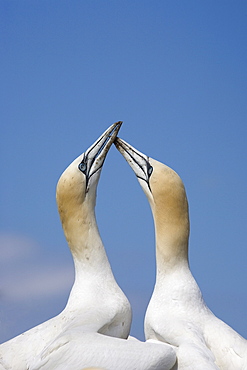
x=175, y=73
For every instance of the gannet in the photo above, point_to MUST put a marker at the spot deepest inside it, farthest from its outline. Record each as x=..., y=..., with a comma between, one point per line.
x=95, y=301
x=177, y=313
x=97, y=311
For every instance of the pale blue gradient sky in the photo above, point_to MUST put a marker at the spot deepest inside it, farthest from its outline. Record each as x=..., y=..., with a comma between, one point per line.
x=175, y=73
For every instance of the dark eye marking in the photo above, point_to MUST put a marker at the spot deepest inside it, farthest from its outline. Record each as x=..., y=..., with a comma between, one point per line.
x=150, y=170
x=82, y=167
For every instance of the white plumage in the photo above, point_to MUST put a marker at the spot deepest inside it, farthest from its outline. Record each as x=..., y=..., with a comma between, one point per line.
x=75, y=349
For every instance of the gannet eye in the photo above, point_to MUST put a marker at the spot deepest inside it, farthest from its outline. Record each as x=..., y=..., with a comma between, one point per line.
x=150, y=170
x=82, y=167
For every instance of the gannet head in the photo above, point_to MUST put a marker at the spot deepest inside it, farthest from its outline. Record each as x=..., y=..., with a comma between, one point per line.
x=76, y=188
x=167, y=197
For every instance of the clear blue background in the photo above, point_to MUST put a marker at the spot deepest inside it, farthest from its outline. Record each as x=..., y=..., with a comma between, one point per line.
x=175, y=73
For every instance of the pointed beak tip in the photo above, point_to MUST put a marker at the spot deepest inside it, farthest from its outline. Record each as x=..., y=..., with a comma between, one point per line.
x=118, y=125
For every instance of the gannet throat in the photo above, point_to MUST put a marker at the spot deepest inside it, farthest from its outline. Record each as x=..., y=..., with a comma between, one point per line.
x=137, y=160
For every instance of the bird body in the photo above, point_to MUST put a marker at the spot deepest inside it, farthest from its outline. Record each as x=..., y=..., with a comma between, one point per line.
x=75, y=350
x=177, y=313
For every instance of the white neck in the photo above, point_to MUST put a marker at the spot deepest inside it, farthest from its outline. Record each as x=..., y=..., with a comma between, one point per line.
x=90, y=259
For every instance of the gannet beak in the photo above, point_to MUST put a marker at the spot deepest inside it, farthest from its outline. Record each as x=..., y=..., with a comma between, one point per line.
x=138, y=161
x=94, y=156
